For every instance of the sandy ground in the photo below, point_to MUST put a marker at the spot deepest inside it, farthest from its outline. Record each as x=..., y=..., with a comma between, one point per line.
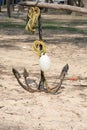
x=20, y=110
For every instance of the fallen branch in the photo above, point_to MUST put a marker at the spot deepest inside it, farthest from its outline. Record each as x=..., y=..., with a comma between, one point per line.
x=55, y=6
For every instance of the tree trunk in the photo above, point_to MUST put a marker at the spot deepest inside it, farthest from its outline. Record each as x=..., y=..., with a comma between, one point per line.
x=8, y=8
x=0, y=8
x=70, y=2
x=12, y=5
x=79, y=3
x=45, y=9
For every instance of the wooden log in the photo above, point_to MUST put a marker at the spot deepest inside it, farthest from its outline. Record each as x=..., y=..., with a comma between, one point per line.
x=55, y=6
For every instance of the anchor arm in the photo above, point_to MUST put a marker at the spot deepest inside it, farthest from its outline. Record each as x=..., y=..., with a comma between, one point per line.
x=25, y=75
x=62, y=76
x=18, y=76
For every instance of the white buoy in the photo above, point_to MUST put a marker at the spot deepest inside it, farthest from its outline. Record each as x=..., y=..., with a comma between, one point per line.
x=44, y=62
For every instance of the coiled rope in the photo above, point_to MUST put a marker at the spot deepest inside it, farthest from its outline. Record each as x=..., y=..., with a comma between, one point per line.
x=33, y=15
x=39, y=47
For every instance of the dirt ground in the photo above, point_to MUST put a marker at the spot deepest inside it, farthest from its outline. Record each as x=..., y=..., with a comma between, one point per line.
x=67, y=110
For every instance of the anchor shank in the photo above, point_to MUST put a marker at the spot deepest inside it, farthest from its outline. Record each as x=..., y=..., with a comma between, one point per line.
x=40, y=26
x=42, y=81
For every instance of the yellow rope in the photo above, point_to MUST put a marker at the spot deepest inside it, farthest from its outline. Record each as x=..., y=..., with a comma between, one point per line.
x=39, y=47
x=33, y=15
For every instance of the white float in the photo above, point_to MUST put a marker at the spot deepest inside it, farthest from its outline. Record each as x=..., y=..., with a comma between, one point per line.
x=44, y=62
